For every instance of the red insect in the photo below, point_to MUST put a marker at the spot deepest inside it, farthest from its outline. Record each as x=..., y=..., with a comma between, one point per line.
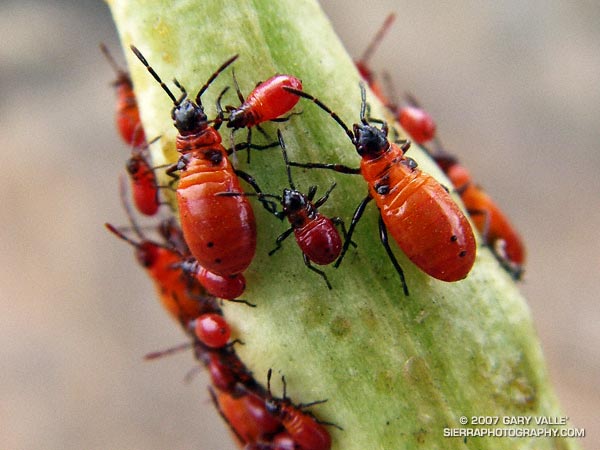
x=417, y=122
x=227, y=287
x=144, y=185
x=183, y=300
x=303, y=428
x=315, y=233
x=220, y=231
x=212, y=330
x=490, y=221
x=128, y=114
x=247, y=415
x=267, y=102
x=362, y=64
x=419, y=213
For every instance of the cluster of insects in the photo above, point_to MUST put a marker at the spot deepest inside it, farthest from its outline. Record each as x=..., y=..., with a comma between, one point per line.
x=194, y=262
x=191, y=274
x=493, y=225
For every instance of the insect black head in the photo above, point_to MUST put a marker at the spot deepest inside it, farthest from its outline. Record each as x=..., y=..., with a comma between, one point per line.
x=238, y=118
x=273, y=406
x=133, y=165
x=293, y=201
x=369, y=140
x=188, y=116
x=147, y=254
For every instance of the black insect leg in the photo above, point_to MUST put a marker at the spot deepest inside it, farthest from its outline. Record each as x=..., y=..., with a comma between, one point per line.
x=324, y=197
x=282, y=237
x=384, y=240
x=314, y=269
x=355, y=218
x=269, y=205
x=340, y=222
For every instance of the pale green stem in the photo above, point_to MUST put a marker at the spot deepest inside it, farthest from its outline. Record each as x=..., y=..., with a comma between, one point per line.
x=396, y=370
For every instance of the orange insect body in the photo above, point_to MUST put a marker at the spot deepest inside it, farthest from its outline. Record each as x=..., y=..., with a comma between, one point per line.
x=489, y=219
x=420, y=215
x=283, y=441
x=315, y=233
x=220, y=231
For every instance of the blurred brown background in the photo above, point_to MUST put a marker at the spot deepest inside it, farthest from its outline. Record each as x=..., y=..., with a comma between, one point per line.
x=514, y=87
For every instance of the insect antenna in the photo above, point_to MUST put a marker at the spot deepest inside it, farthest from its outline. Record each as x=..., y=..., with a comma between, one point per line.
x=119, y=71
x=284, y=387
x=237, y=87
x=121, y=235
x=363, y=104
x=212, y=78
x=377, y=39
x=324, y=107
x=269, y=373
x=154, y=74
x=184, y=93
x=285, y=159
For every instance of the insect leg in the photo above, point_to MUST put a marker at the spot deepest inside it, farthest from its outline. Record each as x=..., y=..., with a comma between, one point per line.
x=340, y=222
x=282, y=237
x=269, y=205
x=314, y=269
x=247, y=145
x=325, y=196
x=245, y=302
x=384, y=240
x=355, y=218
x=249, y=142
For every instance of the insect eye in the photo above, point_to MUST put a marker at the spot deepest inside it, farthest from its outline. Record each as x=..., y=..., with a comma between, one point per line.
x=410, y=163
